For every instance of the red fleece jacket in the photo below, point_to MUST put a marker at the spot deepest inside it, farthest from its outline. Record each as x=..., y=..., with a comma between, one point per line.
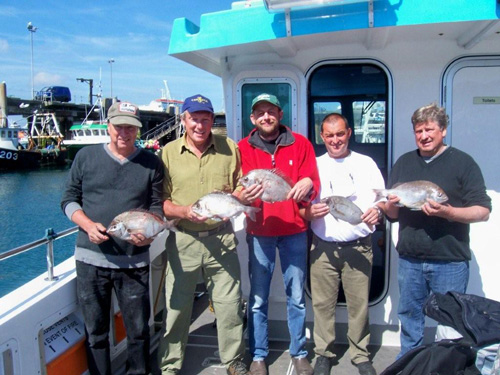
x=294, y=156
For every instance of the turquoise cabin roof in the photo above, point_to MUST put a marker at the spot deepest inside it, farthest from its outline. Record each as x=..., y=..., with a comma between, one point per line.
x=241, y=25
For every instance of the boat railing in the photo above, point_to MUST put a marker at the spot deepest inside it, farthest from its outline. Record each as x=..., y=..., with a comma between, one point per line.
x=160, y=130
x=50, y=237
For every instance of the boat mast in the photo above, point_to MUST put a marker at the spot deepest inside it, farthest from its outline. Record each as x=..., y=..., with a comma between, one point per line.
x=97, y=106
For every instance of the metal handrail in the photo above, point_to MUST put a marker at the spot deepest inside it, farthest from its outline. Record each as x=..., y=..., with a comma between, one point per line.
x=159, y=129
x=50, y=237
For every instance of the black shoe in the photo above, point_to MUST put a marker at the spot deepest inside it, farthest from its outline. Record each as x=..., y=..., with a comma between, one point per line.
x=323, y=366
x=366, y=368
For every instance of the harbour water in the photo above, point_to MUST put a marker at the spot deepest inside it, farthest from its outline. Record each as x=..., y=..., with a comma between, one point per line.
x=29, y=205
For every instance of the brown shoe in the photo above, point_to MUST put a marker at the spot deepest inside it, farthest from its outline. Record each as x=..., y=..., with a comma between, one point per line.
x=237, y=368
x=258, y=368
x=302, y=366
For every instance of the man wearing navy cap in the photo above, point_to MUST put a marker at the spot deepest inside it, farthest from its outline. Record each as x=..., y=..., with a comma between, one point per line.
x=195, y=165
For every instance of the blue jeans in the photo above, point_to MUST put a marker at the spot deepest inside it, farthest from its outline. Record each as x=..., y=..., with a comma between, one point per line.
x=293, y=258
x=94, y=286
x=417, y=279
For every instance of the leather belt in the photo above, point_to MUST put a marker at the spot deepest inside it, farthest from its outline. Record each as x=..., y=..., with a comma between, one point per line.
x=205, y=233
x=348, y=243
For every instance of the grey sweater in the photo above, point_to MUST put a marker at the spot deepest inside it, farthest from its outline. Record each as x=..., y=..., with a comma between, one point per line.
x=103, y=187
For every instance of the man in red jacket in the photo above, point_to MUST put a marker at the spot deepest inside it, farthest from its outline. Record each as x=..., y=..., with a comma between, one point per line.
x=272, y=145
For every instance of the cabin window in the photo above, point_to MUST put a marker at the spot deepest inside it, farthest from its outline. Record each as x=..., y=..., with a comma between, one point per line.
x=320, y=111
x=7, y=363
x=95, y=132
x=369, y=121
x=249, y=91
x=360, y=91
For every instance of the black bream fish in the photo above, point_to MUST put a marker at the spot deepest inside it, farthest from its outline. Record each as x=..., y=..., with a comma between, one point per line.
x=414, y=194
x=343, y=209
x=275, y=184
x=219, y=205
x=138, y=221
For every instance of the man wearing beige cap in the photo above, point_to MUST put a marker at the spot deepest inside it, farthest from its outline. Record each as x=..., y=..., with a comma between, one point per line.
x=104, y=181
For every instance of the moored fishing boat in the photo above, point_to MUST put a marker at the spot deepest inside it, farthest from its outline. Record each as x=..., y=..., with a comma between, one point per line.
x=87, y=133
x=91, y=131
x=12, y=154
x=30, y=146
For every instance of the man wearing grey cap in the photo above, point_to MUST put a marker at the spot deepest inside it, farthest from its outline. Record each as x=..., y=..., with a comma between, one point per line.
x=195, y=165
x=104, y=181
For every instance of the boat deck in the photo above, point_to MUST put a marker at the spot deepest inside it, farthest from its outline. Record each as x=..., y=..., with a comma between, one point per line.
x=202, y=351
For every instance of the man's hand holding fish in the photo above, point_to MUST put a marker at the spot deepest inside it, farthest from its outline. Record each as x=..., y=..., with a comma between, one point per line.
x=250, y=194
x=300, y=190
x=139, y=239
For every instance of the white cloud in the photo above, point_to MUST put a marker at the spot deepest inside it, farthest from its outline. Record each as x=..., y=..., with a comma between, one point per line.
x=44, y=79
x=10, y=11
x=4, y=46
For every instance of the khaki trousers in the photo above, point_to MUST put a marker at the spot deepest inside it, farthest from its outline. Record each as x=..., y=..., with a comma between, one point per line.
x=215, y=258
x=332, y=264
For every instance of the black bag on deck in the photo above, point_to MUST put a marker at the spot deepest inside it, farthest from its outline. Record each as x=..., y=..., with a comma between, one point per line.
x=476, y=318
x=446, y=357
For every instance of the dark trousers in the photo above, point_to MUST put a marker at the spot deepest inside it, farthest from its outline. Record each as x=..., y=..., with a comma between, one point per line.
x=94, y=287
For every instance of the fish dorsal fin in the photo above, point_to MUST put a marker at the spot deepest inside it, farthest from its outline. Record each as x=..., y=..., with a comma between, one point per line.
x=226, y=194
x=280, y=173
x=220, y=192
x=139, y=210
x=143, y=211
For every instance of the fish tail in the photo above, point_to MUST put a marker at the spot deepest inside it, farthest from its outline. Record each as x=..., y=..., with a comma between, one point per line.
x=380, y=194
x=171, y=225
x=251, y=211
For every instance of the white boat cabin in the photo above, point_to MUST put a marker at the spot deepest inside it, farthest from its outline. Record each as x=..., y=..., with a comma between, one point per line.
x=376, y=62
x=89, y=132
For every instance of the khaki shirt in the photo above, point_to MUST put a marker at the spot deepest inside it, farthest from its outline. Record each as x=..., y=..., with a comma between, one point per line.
x=188, y=178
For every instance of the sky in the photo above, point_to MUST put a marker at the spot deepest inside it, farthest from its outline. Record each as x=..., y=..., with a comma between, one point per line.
x=76, y=39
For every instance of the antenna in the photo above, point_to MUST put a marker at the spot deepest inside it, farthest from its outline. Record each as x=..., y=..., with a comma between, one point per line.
x=98, y=104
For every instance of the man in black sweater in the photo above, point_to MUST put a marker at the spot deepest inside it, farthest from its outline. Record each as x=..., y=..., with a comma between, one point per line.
x=104, y=181
x=433, y=242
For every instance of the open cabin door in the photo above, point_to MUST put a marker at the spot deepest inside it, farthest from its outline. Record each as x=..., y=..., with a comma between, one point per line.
x=361, y=91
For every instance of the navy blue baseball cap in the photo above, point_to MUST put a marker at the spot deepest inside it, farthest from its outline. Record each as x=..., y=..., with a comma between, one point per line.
x=197, y=103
